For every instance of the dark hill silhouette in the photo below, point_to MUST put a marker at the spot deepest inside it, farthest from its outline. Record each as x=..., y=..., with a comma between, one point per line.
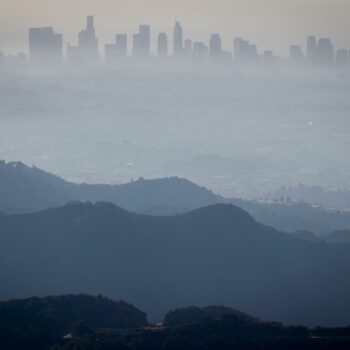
x=28, y=189
x=226, y=333
x=97, y=323
x=59, y=313
x=24, y=188
x=213, y=255
x=193, y=314
x=144, y=195
x=38, y=323
x=341, y=236
x=308, y=236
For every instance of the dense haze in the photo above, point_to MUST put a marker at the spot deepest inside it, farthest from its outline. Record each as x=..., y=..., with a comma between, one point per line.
x=238, y=132
x=242, y=131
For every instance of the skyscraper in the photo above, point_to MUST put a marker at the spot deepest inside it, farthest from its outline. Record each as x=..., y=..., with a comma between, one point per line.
x=121, y=43
x=188, y=47
x=252, y=53
x=244, y=52
x=311, y=51
x=117, y=51
x=269, y=58
x=142, y=41
x=215, y=48
x=178, y=39
x=45, y=47
x=88, y=43
x=237, y=49
x=200, y=52
x=295, y=54
x=325, y=51
x=162, y=45
x=342, y=57
x=73, y=55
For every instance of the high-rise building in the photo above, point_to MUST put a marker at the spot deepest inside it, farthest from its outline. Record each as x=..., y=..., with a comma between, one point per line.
x=117, y=51
x=162, y=45
x=45, y=47
x=73, y=55
x=252, y=53
x=244, y=52
x=311, y=49
x=121, y=43
x=215, y=48
x=226, y=57
x=188, y=47
x=296, y=54
x=88, y=43
x=142, y=42
x=178, y=39
x=325, y=51
x=342, y=57
x=237, y=49
x=200, y=52
x=268, y=57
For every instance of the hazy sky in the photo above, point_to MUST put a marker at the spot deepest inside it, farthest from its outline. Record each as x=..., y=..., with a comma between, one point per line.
x=269, y=23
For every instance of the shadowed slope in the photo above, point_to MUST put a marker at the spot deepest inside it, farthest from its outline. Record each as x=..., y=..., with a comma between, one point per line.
x=213, y=255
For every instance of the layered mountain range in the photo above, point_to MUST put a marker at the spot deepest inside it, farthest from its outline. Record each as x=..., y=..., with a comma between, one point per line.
x=213, y=255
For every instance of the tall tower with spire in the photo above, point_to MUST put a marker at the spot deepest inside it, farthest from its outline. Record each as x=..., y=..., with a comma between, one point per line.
x=178, y=39
x=88, y=43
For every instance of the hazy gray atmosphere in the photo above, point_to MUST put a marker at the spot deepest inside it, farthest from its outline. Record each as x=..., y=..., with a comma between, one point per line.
x=238, y=133
x=174, y=175
x=276, y=116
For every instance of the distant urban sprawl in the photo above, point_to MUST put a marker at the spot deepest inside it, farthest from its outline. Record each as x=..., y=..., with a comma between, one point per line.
x=46, y=48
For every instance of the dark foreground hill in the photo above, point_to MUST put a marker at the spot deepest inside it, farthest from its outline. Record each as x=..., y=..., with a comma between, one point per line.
x=225, y=333
x=213, y=255
x=83, y=322
x=38, y=323
x=194, y=314
x=60, y=313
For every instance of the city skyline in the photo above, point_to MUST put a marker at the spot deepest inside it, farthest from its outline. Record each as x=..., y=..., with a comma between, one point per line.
x=45, y=46
x=270, y=24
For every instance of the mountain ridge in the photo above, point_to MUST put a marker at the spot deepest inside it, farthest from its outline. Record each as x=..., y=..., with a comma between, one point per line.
x=213, y=255
x=29, y=189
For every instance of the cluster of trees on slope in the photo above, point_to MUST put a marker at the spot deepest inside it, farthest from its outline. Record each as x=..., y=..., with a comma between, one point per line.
x=43, y=321
x=194, y=314
x=87, y=323
x=226, y=333
x=217, y=254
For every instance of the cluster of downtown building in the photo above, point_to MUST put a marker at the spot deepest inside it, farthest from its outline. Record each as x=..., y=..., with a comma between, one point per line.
x=46, y=49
